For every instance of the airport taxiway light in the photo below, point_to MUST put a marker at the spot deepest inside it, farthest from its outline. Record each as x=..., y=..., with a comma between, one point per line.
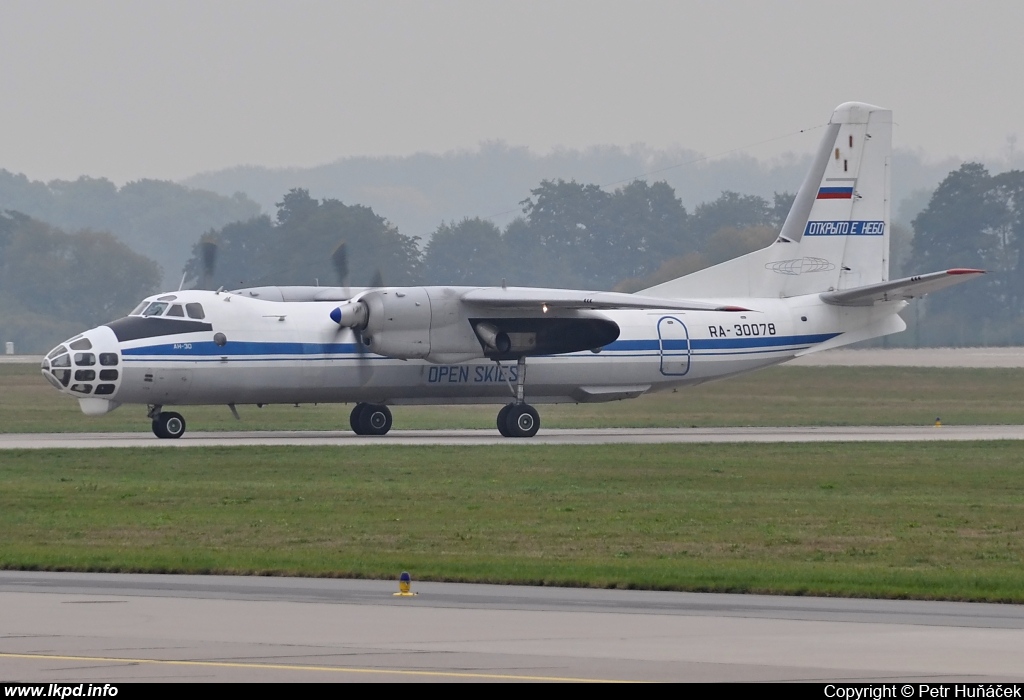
x=404, y=585
x=938, y=422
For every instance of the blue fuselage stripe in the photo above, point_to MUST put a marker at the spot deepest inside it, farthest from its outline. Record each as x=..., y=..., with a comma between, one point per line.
x=263, y=351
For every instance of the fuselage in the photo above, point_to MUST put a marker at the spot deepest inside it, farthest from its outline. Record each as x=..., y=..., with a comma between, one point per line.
x=227, y=348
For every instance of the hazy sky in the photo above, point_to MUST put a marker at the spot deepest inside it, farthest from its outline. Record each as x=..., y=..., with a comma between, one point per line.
x=155, y=89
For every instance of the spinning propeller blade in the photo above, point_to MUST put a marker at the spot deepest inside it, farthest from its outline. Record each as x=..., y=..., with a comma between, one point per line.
x=340, y=260
x=208, y=254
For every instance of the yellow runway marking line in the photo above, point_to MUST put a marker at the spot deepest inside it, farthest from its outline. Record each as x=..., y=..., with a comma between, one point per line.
x=330, y=669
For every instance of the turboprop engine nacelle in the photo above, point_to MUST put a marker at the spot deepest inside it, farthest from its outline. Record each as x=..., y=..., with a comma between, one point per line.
x=397, y=322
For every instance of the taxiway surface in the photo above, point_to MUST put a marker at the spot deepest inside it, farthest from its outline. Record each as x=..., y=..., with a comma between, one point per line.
x=592, y=436
x=68, y=627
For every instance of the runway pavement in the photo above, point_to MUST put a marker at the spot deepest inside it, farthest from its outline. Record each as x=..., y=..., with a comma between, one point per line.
x=594, y=436
x=64, y=627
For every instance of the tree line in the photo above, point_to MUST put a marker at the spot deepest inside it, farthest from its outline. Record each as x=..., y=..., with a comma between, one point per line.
x=974, y=219
x=55, y=284
x=157, y=218
x=569, y=234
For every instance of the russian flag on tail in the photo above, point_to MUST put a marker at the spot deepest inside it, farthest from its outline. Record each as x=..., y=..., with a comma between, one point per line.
x=835, y=193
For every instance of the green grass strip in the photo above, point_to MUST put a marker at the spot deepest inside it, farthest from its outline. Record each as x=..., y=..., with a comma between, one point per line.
x=883, y=520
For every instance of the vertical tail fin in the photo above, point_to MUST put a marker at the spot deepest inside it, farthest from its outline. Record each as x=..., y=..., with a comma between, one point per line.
x=837, y=233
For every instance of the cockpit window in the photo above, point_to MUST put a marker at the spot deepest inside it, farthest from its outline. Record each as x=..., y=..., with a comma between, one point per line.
x=81, y=344
x=176, y=310
x=139, y=308
x=155, y=309
x=195, y=310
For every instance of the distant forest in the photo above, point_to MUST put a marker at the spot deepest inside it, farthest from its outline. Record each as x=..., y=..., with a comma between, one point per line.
x=161, y=220
x=75, y=254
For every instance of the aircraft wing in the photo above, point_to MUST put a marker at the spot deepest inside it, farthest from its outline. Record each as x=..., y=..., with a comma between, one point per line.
x=535, y=299
x=901, y=289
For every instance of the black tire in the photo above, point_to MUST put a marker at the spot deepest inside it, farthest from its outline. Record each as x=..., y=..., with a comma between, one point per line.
x=503, y=420
x=169, y=425
x=522, y=421
x=355, y=418
x=375, y=420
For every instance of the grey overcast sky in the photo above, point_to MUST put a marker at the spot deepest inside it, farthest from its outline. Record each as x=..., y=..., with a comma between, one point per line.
x=156, y=89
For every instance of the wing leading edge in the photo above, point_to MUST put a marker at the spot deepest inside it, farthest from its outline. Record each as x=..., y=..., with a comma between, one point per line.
x=901, y=289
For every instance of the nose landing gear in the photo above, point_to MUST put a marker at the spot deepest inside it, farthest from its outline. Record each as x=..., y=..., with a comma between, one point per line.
x=167, y=424
x=519, y=419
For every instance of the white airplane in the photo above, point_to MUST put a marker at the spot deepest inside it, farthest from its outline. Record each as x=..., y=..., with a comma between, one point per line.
x=823, y=283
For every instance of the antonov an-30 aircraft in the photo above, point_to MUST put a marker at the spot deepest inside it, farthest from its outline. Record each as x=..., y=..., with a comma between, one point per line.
x=822, y=284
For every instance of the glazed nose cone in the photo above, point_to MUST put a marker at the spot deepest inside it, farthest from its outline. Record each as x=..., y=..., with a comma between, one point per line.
x=86, y=365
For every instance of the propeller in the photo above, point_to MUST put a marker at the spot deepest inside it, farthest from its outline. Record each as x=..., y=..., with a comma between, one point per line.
x=353, y=314
x=208, y=254
x=339, y=258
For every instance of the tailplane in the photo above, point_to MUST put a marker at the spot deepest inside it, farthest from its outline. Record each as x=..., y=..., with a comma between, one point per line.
x=836, y=236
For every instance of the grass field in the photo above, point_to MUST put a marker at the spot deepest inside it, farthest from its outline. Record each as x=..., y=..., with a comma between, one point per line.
x=917, y=520
x=778, y=396
x=935, y=520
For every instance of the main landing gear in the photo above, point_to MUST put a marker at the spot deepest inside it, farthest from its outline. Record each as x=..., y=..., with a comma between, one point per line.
x=519, y=419
x=370, y=419
x=166, y=424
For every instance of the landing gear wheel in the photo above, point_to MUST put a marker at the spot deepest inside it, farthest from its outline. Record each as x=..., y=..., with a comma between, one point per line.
x=503, y=420
x=376, y=420
x=370, y=419
x=355, y=418
x=522, y=420
x=168, y=425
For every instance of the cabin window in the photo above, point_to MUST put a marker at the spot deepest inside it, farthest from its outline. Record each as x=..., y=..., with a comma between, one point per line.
x=195, y=310
x=176, y=310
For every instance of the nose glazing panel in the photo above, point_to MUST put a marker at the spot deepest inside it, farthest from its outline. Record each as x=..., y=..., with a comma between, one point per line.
x=73, y=361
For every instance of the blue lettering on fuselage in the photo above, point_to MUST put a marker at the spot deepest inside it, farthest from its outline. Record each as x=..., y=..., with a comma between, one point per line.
x=845, y=228
x=481, y=374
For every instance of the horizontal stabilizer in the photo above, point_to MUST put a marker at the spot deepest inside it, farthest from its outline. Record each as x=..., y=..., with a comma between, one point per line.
x=901, y=289
x=533, y=298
